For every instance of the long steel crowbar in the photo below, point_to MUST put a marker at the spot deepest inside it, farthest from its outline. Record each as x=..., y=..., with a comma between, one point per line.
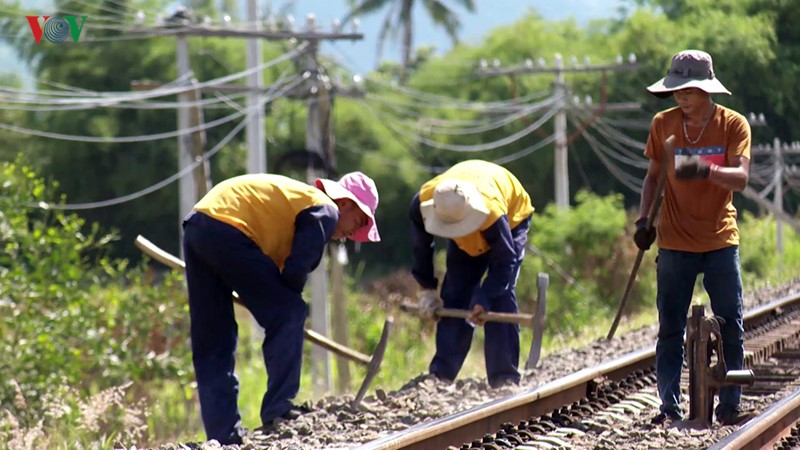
x=652, y=217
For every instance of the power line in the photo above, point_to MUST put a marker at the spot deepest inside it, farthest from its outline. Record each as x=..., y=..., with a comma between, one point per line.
x=168, y=89
x=150, y=189
x=123, y=139
x=167, y=181
x=465, y=148
x=463, y=127
x=560, y=70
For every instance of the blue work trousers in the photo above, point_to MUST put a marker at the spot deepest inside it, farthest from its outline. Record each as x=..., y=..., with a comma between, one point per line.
x=221, y=259
x=454, y=336
x=677, y=273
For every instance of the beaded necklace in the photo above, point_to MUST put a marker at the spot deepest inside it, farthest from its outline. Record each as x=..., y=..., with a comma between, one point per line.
x=705, y=124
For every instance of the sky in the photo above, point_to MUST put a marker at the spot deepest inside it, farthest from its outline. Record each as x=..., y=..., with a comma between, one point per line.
x=360, y=56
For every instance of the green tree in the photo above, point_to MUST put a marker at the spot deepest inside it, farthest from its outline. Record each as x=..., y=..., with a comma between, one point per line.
x=88, y=172
x=67, y=316
x=399, y=18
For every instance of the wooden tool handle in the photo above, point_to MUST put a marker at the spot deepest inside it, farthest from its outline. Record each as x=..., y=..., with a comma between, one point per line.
x=174, y=262
x=463, y=314
x=652, y=218
x=488, y=316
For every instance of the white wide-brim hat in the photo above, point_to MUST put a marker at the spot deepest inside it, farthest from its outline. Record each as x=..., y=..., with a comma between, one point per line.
x=689, y=69
x=456, y=209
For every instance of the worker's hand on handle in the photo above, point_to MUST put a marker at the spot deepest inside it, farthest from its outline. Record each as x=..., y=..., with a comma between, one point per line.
x=476, y=315
x=429, y=302
x=694, y=168
x=644, y=237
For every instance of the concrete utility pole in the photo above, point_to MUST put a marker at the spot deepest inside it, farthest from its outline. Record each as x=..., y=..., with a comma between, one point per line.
x=777, y=199
x=561, y=168
x=256, y=144
x=561, y=172
x=317, y=142
x=187, y=186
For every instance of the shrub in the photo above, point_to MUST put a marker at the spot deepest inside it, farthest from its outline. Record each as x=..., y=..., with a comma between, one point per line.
x=69, y=315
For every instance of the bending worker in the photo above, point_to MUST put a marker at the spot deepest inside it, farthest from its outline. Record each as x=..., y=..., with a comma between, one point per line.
x=261, y=235
x=484, y=212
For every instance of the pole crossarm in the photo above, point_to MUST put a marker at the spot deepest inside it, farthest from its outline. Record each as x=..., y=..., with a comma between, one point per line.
x=608, y=107
x=518, y=70
x=209, y=31
x=336, y=90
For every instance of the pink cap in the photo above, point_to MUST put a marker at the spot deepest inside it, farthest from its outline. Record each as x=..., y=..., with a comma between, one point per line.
x=361, y=189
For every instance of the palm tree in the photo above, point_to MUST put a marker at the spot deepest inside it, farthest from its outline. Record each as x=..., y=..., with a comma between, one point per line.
x=399, y=18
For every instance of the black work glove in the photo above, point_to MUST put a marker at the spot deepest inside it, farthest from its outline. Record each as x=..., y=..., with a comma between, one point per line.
x=695, y=168
x=644, y=237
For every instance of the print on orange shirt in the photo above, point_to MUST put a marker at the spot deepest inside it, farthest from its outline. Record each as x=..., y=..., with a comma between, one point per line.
x=711, y=155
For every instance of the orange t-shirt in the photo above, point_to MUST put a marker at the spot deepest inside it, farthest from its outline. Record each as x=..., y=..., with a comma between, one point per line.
x=698, y=215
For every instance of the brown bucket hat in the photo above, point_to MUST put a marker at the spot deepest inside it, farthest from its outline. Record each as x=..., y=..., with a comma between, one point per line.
x=689, y=69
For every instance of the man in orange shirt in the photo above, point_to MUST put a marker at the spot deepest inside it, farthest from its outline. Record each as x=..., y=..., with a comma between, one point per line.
x=697, y=231
x=261, y=235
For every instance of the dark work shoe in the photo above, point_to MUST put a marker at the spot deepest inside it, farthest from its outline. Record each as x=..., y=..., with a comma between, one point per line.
x=503, y=382
x=665, y=418
x=296, y=411
x=734, y=417
x=264, y=430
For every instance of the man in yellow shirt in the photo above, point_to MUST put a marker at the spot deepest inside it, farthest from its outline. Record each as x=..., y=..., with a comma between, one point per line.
x=697, y=232
x=485, y=213
x=261, y=235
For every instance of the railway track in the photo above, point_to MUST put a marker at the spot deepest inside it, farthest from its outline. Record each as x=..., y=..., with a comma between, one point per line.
x=591, y=407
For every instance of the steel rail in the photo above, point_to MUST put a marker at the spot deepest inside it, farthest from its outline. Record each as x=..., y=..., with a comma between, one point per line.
x=452, y=430
x=475, y=422
x=767, y=429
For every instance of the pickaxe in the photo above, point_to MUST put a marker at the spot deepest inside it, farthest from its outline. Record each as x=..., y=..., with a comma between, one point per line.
x=652, y=217
x=536, y=322
x=373, y=363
